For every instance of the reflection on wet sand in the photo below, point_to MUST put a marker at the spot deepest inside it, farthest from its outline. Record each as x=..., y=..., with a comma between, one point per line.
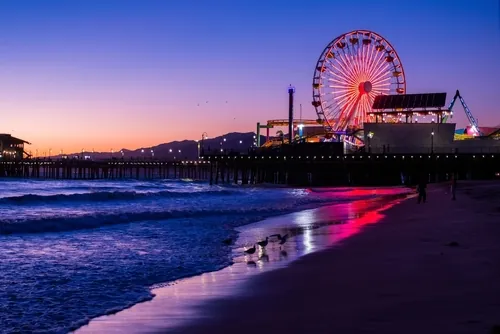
x=309, y=231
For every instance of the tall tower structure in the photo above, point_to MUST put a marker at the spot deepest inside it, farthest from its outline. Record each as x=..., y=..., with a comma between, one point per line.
x=291, y=91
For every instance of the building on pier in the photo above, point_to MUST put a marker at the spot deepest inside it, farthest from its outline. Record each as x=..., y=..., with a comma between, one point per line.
x=419, y=123
x=12, y=148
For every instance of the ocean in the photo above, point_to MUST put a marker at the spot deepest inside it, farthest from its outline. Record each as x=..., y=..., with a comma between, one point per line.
x=73, y=250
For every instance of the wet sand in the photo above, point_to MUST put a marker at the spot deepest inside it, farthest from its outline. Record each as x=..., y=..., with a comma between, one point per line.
x=432, y=268
x=177, y=304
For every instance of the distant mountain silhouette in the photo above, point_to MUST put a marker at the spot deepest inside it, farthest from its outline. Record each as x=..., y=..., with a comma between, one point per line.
x=183, y=150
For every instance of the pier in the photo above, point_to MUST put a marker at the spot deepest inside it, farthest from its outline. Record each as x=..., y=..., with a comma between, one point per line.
x=275, y=167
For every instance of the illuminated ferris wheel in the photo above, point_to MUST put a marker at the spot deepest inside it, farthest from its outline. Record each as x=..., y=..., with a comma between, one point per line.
x=353, y=69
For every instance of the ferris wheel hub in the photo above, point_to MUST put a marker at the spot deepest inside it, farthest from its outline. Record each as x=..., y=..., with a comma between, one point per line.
x=365, y=87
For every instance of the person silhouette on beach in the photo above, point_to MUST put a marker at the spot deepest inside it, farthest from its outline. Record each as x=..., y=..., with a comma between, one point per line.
x=422, y=190
x=453, y=182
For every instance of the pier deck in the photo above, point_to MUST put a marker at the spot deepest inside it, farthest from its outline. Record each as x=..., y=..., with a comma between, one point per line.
x=317, y=170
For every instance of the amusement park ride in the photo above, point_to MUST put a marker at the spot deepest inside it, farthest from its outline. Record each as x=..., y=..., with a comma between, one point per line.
x=359, y=78
x=476, y=131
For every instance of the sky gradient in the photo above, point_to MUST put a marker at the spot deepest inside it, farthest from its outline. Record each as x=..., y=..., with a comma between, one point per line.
x=112, y=74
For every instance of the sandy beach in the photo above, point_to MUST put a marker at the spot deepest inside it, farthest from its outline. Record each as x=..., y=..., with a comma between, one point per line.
x=428, y=268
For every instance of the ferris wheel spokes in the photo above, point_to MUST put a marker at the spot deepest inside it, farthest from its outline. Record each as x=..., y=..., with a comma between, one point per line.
x=352, y=70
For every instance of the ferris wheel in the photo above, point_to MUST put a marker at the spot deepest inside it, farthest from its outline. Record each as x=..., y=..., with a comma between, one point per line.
x=353, y=69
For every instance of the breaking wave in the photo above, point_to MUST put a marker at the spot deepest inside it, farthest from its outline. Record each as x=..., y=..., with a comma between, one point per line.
x=95, y=220
x=108, y=195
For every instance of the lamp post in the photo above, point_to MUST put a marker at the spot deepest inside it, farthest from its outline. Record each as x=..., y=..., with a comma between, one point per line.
x=142, y=154
x=221, y=144
x=204, y=136
x=370, y=136
x=152, y=153
x=432, y=141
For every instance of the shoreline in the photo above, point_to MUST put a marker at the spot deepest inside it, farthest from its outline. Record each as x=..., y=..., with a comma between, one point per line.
x=309, y=232
x=428, y=268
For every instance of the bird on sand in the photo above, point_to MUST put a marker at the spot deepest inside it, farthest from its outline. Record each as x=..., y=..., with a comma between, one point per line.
x=263, y=243
x=250, y=250
x=283, y=240
x=279, y=237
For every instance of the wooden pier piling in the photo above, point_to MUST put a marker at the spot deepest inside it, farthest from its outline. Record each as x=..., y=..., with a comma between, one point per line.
x=326, y=170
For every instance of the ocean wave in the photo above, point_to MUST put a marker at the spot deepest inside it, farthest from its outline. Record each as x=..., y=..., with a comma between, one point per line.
x=108, y=196
x=89, y=221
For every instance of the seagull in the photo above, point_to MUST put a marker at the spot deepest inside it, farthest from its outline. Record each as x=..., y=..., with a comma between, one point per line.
x=263, y=243
x=279, y=236
x=250, y=250
x=283, y=240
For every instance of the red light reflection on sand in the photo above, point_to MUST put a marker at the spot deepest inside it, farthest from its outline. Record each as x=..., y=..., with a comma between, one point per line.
x=356, y=192
x=353, y=226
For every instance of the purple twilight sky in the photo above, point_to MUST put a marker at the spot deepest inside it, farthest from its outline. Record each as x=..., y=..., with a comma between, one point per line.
x=111, y=74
